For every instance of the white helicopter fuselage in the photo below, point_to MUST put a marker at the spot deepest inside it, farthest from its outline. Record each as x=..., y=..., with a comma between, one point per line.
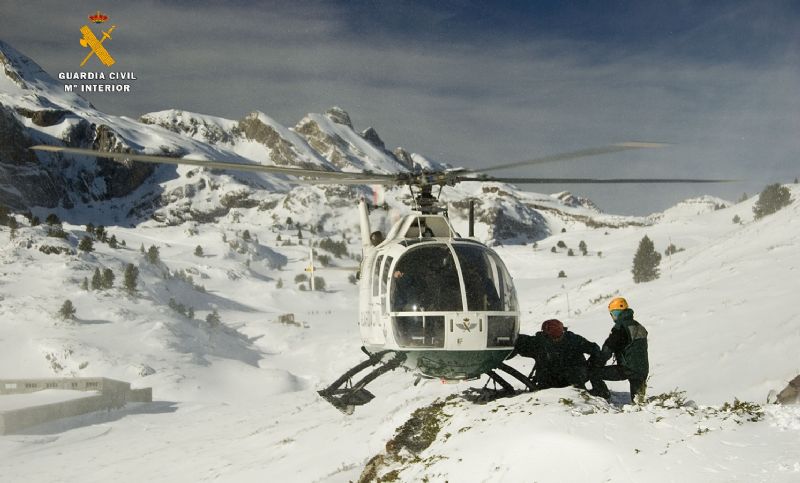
x=448, y=303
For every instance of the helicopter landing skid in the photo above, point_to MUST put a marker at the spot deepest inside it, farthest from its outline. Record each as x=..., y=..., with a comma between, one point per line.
x=346, y=398
x=487, y=394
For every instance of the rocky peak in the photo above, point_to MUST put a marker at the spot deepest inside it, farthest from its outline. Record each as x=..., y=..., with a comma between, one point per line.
x=339, y=116
x=575, y=201
x=203, y=128
x=371, y=135
x=404, y=157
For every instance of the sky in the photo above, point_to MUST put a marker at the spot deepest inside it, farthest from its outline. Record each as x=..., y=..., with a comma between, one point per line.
x=474, y=83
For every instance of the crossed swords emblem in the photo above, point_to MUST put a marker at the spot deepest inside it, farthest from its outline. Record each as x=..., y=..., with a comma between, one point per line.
x=89, y=40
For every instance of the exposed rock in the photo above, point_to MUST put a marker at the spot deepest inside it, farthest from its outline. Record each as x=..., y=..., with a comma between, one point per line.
x=339, y=116
x=44, y=117
x=14, y=141
x=576, y=201
x=121, y=178
x=79, y=134
x=238, y=199
x=791, y=393
x=371, y=135
x=404, y=157
x=10, y=71
x=23, y=181
x=185, y=123
x=282, y=152
x=331, y=147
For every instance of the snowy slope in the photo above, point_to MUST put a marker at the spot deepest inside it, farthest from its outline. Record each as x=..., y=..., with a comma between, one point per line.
x=238, y=402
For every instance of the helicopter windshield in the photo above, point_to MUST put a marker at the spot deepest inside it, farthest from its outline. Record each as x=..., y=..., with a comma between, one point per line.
x=486, y=280
x=426, y=279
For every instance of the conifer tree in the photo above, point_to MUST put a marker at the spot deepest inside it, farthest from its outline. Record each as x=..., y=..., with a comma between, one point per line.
x=645, y=262
x=67, y=310
x=85, y=283
x=108, y=278
x=152, y=255
x=131, y=277
x=213, y=319
x=97, y=280
x=773, y=198
x=112, y=242
x=86, y=244
x=582, y=247
x=198, y=251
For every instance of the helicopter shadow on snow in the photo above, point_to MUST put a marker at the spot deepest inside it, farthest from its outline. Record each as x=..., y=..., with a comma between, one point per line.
x=99, y=417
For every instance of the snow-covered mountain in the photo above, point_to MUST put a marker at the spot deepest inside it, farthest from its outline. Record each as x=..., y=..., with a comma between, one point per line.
x=236, y=400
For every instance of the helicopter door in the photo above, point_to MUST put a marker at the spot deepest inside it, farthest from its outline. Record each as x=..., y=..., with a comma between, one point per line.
x=376, y=324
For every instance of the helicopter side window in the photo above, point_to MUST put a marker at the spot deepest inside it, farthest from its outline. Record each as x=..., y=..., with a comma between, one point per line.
x=385, y=281
x=486, y=282
x=425, y=279
x=376, y=275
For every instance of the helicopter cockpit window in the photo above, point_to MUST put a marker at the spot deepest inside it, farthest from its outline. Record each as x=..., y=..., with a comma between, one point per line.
x=486, y=281
x=425, y=279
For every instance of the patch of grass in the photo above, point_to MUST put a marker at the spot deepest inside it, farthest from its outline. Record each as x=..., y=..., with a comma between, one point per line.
x=743, y=409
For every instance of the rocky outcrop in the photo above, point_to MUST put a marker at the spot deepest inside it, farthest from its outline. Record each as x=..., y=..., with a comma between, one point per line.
x=404, y=157
x=121, y=178
x=44, y=117
x=371, y=135
x=339, y=116
x=791, y=393
x=576, y=201
x=182, y=122
x=282, y=152
x=331, y=146
x=23, y=182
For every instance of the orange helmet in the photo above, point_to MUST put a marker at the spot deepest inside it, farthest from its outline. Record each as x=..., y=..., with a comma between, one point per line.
x=618, y=303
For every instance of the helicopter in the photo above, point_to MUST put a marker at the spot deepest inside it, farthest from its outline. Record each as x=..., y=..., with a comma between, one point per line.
x=431, y=300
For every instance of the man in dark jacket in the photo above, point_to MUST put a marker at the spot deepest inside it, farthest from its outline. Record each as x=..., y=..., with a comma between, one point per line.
x=628, y=343
x=559, y=355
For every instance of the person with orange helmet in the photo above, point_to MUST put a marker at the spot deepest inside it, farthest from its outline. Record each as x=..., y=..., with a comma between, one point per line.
x=627, y=342
x=559, y=355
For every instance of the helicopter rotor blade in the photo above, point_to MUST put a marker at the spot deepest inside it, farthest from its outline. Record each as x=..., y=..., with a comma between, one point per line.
x=316, y=176
x=613, y=148
x=595, y=180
